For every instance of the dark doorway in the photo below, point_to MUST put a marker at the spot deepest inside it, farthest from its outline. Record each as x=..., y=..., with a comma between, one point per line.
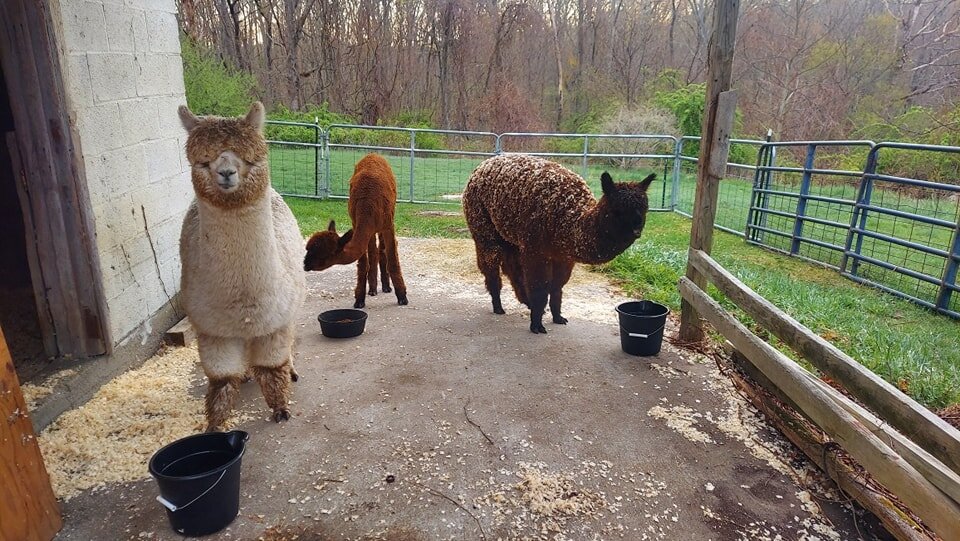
x=18, y=307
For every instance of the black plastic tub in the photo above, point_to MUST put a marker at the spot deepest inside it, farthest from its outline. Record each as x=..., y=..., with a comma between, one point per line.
x=641, y=327
x=343, y=323
x=199, y=481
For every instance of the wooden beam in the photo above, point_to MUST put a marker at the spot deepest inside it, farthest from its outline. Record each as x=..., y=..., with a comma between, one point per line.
x=181, y=334
x=718, y=115
x=809, y=439
x=938, y=511
x=919, y=424
x=28, y=507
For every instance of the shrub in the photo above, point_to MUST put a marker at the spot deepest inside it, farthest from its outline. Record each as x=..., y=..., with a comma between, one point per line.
x=211, y=87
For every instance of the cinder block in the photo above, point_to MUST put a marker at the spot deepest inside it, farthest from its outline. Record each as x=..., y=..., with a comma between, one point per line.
x=124, y=24
x=160, y=74
x=165, y=6
x=113, y=75
x=100, y=129
x=139, y=120
x=163, y=32
x=167, y=117
x=84, y=27
x=163, y=158
x=116, y=172
x=77, y=81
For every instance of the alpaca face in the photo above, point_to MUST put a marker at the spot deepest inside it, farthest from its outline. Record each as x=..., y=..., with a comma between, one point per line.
x=627, y=203
x=228, y=157
x=323, y=246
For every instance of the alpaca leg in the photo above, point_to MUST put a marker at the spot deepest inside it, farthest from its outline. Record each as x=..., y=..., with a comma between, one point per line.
x=384, y=277
x=271, y=363
x=536, y=275
x=561, y=274
x=393, y=266
x=488, y=260
x=222, y=362
x=360, y=293
x=514, y=272
x=373, y=260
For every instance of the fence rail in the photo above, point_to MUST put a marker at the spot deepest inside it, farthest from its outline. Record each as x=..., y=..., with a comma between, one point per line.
x=889, y=231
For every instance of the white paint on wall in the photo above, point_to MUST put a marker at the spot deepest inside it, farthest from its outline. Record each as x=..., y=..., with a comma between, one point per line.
x=124, y=81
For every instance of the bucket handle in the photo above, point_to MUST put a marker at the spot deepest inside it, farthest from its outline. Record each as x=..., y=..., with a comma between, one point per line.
x=638, y=335
x=174, y=508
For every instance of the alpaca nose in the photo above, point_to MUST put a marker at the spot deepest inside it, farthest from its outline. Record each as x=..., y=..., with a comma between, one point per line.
x=227, y=173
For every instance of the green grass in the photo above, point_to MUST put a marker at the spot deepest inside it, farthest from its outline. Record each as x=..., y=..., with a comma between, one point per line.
x=292, y=170
x=903, y=343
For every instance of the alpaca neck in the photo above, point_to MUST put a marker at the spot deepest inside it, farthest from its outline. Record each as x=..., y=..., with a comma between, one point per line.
x=245, y=232
x=595, y=240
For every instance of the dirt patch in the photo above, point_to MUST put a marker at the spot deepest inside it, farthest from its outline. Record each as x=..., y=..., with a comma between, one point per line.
x=33, y=394
x=951, y=415
x=439, y=213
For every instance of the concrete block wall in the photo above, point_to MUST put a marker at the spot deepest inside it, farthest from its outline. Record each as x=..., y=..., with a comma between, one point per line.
x=124, y=81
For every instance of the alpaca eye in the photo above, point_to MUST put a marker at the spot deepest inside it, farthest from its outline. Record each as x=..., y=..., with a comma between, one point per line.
x=203, y=164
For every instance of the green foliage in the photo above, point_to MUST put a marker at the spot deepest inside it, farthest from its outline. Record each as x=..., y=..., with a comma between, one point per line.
x=687, y=104
x=319, y=114
x=213, y=88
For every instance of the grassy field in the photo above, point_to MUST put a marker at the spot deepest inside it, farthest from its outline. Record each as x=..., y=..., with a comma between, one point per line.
x=911, y=347
x=441, y=178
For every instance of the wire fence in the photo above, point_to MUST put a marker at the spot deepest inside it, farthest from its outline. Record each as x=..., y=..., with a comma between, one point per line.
x=829, y=202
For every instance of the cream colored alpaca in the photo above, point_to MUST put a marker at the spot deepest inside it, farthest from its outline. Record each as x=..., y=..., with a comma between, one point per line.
x=242, y=283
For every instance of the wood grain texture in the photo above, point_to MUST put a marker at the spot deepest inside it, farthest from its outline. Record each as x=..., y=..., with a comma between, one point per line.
x=721, y=104
x=916, y=422
x=51, y=183
x=180, y=334
x=937, y=510
x=810, y=440
x=28, y=507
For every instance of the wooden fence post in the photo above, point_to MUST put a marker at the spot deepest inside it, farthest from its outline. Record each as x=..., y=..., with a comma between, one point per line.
x=721, y=103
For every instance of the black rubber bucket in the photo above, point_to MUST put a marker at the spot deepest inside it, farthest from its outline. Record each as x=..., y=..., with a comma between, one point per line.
x=641, y=327
x=343, y=323
x=199, y=479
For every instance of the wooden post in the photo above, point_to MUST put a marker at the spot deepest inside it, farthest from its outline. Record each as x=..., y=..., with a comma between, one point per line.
x=28, y=507
x=721, y=103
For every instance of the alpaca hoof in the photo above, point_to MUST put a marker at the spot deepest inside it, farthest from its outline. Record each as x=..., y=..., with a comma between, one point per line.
x=359, y=304
x=537, y=328
x=294, y=376
x=560, y=320
x=386, y=289
x=282, y=414
x=402, y=301
x=372, y=292
x=499, y=311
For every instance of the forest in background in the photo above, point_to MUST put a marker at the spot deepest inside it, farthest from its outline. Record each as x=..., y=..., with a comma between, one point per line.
x=805, y=69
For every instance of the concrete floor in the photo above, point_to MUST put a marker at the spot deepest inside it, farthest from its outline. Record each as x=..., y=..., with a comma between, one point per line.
x=570, y=403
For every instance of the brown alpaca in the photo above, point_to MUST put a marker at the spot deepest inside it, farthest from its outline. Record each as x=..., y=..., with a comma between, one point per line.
x=373, y=199
x=534, y=219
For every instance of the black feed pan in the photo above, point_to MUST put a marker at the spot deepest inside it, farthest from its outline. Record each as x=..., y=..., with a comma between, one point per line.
x=343, y=323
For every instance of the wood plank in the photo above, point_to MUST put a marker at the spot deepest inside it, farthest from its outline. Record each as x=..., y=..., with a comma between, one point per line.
x=51, y=180
x=919, y=424
x=721, y=104
x=808, y=438
x=180, y=334
x=938, y=511
x=28, y=507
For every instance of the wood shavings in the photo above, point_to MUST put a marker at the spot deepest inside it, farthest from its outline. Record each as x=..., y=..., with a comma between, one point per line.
x=33, y=394
x=111, y=438
x=683, y=420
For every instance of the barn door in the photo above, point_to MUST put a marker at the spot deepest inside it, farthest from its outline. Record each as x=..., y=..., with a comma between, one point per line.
x=52, y=186
x=28, y=508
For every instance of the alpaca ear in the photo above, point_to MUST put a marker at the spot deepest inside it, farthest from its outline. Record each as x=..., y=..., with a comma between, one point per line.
x=332, y=226
x=344, y=239
x=645, y=183
x=606, y=182
x=257, y=116
x=187, y=118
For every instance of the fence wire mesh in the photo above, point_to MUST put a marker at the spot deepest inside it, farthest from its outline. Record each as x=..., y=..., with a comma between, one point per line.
x=825, y=201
